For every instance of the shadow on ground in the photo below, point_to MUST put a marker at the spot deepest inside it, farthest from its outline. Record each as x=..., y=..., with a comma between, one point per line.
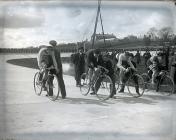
x=32, y=63
x=70, y=100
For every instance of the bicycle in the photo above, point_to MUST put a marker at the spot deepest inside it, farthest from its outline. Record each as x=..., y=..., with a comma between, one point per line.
x=52, y=84
x=135, y=84
x=102, y=83
x=163, y=82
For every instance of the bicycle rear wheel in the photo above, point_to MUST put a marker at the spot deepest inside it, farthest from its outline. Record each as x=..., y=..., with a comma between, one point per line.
x=85, y=84
x=166, y=86
x=104, y=93
x=136, y=85
x=53, y=87
x=37, y=84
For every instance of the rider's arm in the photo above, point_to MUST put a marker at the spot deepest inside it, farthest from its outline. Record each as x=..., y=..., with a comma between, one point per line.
x=119, y=64
x=39, y=59
x=131, y=64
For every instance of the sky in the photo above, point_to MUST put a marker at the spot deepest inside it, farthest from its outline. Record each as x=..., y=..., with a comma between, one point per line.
x=35, y=23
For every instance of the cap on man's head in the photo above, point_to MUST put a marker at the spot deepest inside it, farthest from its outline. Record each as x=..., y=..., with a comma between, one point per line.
x=53, y=43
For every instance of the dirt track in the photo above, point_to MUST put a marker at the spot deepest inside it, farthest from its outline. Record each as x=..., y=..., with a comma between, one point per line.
x=25, y=115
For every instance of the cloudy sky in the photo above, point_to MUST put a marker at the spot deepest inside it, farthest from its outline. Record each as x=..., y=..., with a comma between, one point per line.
x=24, y=24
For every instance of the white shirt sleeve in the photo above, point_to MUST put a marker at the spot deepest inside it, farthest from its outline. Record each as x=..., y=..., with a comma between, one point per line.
x=119, y=64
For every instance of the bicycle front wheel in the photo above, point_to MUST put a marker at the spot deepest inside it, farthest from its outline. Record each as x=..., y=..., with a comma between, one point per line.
x=166, y=86
x=37, y=84
x=136, y=85
x=104, y=93
x=53, y=87
x=85, y=84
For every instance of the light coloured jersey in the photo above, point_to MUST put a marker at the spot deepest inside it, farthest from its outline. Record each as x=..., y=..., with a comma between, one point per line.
x=123, y=62
x=44, y=54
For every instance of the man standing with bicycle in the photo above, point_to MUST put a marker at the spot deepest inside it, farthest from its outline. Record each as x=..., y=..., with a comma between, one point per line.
x=48, y=57
x=126, y=69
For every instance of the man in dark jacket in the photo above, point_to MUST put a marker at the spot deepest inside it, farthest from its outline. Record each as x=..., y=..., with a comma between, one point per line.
x=138, y=57
x=146, y=56
x=59, y=74
x=79, y=65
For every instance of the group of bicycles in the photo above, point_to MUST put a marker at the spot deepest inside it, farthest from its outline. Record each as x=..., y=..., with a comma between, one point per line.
x=164, y=84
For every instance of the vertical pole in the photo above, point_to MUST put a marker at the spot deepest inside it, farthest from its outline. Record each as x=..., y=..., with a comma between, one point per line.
x=102, y=29
x=96, y=21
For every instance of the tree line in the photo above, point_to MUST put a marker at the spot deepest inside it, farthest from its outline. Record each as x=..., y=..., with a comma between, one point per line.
x=152, y=39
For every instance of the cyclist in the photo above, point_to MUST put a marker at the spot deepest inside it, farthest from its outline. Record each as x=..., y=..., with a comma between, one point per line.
x=45, y=60
x=107, y=63
x=126, y=67
x=155, y=66
x=99, y=60
x=93, y=59
x=49, y=56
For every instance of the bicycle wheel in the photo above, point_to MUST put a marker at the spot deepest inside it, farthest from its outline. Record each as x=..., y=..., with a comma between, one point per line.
x=166, y=85
x=84, y=87
x=136, y=85
x=103, y=93
x=146, y=79
x=37, y=84
x=53, y=87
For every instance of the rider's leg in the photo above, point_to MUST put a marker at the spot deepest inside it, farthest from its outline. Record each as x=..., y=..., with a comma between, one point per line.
x=94, y=77
x=135, y=79
x=44, y=78
x=40, y=76
x=98, y=83
x=90, y=73
x=122, y=80
x=154, y=74
x=113, y=92
x=50, y=83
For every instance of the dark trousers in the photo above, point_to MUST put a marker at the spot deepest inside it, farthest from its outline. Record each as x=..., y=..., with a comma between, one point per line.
x=78, y=73
x=61, y=84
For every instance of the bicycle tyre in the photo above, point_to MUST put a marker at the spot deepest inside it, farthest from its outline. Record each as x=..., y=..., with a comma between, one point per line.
x=37, y=84
x=54, y=88
x=132, y=87
x=166, y=86
x=104, y=93
x=85, y=84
